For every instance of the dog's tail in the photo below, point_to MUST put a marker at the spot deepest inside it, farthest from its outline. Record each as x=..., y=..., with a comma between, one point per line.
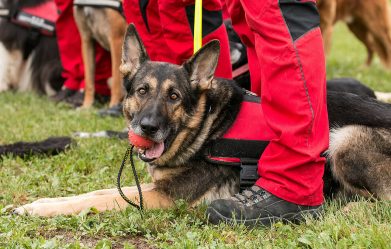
x=50, y=146
x=351, y=109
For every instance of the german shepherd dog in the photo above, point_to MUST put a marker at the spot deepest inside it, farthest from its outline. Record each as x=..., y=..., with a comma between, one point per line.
x=107, y=27
x=184, y=108
x=26, y=66
x=369, y=21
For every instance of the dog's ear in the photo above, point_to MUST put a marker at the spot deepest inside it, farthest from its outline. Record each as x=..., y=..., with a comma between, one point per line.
x=202, y=65
x=133, y=52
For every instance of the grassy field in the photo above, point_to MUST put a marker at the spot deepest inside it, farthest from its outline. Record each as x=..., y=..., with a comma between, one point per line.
x=92, y=164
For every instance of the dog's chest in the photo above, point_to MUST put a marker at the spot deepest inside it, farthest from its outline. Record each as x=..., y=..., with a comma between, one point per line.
x=88, y=13
x=95, y=23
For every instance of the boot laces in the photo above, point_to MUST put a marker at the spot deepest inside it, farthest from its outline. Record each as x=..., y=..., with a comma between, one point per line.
x=251, y=195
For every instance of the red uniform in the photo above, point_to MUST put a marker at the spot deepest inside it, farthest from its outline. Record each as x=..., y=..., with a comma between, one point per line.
x=286, y=60
x=165, y=27
x=69, y=43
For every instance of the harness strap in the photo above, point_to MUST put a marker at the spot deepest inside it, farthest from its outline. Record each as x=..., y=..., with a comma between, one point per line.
x=113, y=4
x=40, y=18
x=224, y=147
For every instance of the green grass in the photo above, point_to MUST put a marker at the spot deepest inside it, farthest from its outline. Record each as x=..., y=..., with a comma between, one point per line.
x=92, y=164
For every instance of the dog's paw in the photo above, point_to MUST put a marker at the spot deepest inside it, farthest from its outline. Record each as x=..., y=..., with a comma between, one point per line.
x=87, y=104
x=45, y=207
x=23, y=210
x=39, y=209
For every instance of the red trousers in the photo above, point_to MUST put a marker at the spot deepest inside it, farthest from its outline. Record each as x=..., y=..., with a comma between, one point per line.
x=165, y=27
x=69, y=43
x=286, y=60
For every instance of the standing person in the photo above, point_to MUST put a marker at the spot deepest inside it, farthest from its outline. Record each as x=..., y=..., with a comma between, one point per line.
x=166, y=28
x=286, y=61
x=69, y=43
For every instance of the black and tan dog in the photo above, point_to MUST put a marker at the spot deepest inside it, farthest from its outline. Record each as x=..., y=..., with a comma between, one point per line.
x=184, y=108
x=107, y=26
x=29, y=55
x=369, y=21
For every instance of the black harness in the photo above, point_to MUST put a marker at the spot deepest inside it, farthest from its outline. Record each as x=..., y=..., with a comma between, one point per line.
x=112, y=4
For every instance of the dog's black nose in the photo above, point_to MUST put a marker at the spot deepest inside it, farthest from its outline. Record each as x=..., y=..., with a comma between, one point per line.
x=149, y=126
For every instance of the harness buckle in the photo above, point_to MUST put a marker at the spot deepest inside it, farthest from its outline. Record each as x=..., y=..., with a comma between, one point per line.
x=248, y=173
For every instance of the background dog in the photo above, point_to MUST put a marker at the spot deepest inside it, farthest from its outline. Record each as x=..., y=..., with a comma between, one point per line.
x=369, y=21
x=29, y=60
x=107, y=27
x=183, y=108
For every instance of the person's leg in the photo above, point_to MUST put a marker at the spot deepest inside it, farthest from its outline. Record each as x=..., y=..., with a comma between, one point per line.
x=247, y=37
x=103, y=72
x=177, y=20
x=166, y=30
x=144, y=14
x=68, y=40
x=289, y=46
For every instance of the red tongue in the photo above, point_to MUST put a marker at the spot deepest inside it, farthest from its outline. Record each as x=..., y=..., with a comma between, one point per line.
x=139, y=141
x=155, y=151
x=152, y=149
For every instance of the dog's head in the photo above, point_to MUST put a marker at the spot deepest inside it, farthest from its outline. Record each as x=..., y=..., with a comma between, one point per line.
x=162, y=98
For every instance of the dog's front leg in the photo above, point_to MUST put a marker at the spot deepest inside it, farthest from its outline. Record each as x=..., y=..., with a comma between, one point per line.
x=116, y=87
x=88, y=55
x=88, y=52
x=328, y=11
x=11, y=63
x=102, y=200
x=117, y=28
x=4, y=62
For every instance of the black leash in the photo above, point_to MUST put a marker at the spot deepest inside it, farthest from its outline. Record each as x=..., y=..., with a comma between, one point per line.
x=129, y=153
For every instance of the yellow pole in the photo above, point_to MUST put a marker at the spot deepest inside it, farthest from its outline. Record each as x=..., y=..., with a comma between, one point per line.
x=197, y=25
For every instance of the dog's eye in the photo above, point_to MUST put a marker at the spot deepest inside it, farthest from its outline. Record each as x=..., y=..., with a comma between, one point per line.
x=174, y=96
x=142, y=91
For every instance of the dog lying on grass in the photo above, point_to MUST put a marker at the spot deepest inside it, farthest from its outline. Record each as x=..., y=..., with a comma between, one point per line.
x=182, y=109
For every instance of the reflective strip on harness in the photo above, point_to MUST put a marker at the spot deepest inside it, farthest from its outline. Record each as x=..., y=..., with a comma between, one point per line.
x=246, y=139
x=42, y=17
x=114, y=4
x=28, y=20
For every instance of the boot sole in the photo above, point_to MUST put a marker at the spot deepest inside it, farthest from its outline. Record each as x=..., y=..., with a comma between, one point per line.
x=215, y=217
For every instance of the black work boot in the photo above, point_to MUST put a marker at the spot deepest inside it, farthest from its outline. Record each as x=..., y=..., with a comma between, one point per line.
x=76, y=100
x=114, y=111
x=63, y=94
x=256, y=206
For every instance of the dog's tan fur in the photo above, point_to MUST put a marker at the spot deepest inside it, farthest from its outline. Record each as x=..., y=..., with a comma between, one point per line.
x=107, y=27
x=369, y=21
x=353, y=146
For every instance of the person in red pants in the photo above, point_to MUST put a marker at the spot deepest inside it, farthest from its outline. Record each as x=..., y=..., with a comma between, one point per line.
x=286, y=46
x=166, y=29
x=69, y=43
